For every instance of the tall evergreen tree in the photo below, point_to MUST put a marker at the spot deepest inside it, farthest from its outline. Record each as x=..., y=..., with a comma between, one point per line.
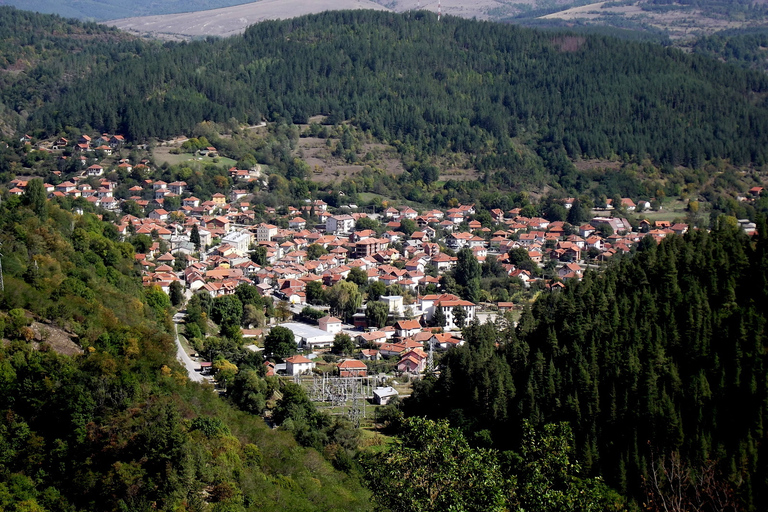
x=36, y=198
x=194, y=237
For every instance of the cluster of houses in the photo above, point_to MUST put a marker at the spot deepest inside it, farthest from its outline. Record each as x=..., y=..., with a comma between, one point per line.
x=288, y=269
x=228, y=231
x=206, y=247
x=84, y=144
x=405, y=340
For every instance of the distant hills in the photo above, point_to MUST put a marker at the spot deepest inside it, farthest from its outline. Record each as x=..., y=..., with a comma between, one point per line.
x=233, y=20
x=454, y=86
x=664, y=20
x=111, y=9
x=264, y=9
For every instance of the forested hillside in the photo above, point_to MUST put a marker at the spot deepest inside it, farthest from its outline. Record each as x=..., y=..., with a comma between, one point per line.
x=41, y=55
x=486, y=89
x=664, y=353
x=119, y=426
x=745, y=48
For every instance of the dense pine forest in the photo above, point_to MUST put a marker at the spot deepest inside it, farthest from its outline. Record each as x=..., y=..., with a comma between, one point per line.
x=489, y=88
x=663, y=355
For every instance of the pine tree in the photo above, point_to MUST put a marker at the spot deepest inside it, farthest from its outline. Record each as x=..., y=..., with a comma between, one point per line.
x=35, y=197
x=194, y=237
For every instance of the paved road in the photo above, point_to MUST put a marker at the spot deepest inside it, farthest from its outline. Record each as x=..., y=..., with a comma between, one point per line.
x=183, y=357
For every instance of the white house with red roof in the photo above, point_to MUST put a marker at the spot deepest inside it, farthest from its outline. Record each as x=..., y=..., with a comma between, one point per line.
x=407, y=328
x=298, y=364
x=330, y=324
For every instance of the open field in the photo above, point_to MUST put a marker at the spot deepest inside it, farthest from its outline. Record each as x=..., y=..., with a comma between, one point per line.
x=229, y=21
x=679, y=23
x=163, y=155
x=329, y=169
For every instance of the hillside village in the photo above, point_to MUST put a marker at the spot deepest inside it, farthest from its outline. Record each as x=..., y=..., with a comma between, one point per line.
x=213, y=245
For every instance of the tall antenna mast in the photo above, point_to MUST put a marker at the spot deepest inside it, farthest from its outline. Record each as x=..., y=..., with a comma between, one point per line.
x=439, y=10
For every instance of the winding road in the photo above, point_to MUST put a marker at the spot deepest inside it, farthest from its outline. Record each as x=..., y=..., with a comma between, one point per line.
x=181, y=354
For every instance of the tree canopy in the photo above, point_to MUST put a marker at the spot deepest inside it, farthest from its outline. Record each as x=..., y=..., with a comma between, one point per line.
x=666, y=347
x=280, y=342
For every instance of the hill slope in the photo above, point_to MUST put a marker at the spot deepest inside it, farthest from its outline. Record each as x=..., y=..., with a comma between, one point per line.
x=228, y=21
x=456, y=85
x=663, y=353
x=120, y=427
x=111, y=9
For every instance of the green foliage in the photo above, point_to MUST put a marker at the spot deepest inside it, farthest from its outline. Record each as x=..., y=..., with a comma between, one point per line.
x=438, y=319
x=253, y=315
x=364, y=223
x=176, y=294
x=478, y=99
x=210, y=427
x=407, y=226
x=315, y=292
x=459, y=316
x=467, y=268
x=435, y=468
x=120, y=427
x=520, y=259
x=311, y=314
x=358, y=276
x=158, y=301
x=344, y=299
x=376, y=314
x=36, y=198
x=375, y=290
x=343, y=344
x=194, y=237
x=548, y=475
x=280, y=342
x=198, y=310
x=740, y=48
x=314, y=251
x=660, y=347
x=259, y=256
x=249, y=391
x=227, y=312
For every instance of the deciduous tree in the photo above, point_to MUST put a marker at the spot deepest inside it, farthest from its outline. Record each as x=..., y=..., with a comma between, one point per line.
x=376, y=314
x=280, y=342
x=433, y=466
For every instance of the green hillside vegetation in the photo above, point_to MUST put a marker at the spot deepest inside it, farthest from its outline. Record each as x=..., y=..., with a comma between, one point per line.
x=488, y=85
x=745, y=48
x=512, y=106
x=41, y=55
x=120, y=427
x=663, y=356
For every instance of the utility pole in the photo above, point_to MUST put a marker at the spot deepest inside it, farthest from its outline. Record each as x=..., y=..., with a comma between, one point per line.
x=2, y=284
